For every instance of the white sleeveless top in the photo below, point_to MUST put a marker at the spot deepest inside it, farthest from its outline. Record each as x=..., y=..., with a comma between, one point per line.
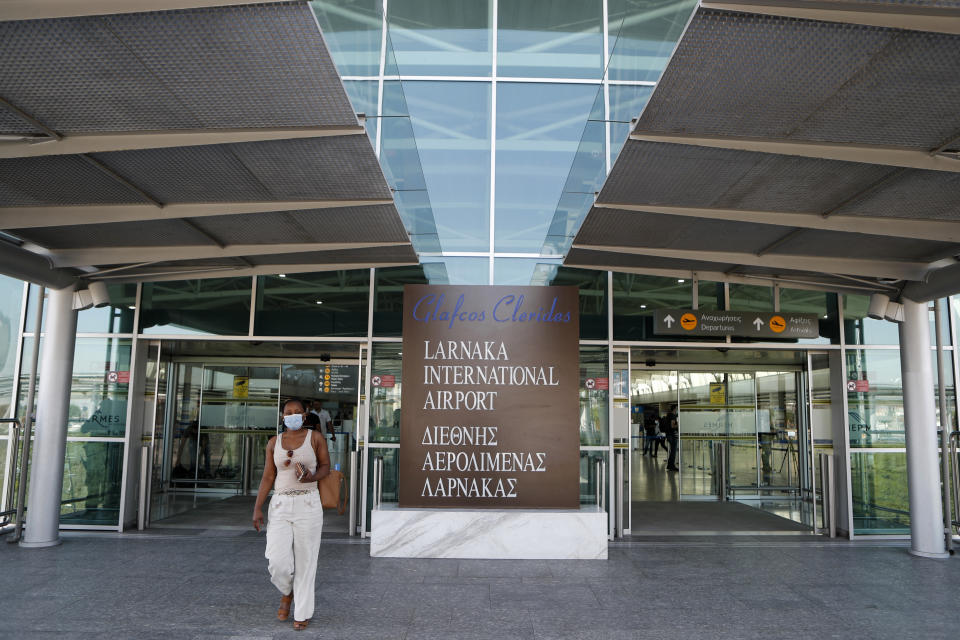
x=287, y=474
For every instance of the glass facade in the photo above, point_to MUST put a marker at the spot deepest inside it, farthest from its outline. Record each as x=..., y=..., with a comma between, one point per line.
x=495, y=121
x=12, y=291
x=491, y=117
x=329, y=303
x=217, y=307
x=875, y=406
x=286, y=308
x=881, y=503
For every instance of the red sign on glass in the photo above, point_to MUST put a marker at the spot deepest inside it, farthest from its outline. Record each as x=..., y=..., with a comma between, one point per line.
x=858, y=386
x=383, y=380
x=597, y=383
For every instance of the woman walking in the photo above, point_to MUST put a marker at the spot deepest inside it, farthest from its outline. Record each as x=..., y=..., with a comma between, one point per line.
x=295, y=461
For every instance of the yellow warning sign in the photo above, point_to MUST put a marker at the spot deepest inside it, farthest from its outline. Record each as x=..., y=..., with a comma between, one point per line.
x=777, y=324
x=241, y=386
x=718, y=394
x=688, y=321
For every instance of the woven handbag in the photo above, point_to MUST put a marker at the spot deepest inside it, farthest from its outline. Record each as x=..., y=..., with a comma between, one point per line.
x=333, y=491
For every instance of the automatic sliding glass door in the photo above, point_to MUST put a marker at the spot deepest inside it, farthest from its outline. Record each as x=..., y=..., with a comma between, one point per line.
x=778, y=432
x=238, y=415
x=718, y=433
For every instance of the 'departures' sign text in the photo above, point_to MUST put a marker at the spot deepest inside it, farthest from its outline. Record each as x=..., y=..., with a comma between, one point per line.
x=490, y=405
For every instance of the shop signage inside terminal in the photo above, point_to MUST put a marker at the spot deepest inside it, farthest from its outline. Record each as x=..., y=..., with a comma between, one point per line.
x=743, y=324
x=490, y=404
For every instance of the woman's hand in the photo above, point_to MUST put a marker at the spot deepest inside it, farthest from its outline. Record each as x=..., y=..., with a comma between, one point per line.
x=257, y=519
x=303, y=475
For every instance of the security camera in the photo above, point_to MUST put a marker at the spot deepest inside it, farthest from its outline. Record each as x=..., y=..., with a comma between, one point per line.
x=99, y=294
x=324, y=357
x=878, y=306
x=881, y=308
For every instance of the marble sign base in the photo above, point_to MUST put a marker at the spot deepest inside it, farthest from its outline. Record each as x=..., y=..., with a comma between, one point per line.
x=514, y=534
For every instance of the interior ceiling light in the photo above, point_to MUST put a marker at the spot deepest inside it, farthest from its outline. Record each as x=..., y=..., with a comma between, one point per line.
x=319, y=301
x=281, y=275
x=681, y=281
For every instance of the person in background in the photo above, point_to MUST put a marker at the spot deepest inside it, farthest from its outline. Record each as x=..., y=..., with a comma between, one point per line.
x=324, y=417
x=671, y=429
x=650, y=435
x=295, y=460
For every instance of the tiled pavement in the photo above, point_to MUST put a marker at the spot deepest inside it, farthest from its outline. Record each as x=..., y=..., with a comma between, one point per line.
x=213, y=584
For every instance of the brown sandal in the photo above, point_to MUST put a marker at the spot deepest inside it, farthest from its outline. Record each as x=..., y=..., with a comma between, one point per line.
x=300, y=625
x=284, y=611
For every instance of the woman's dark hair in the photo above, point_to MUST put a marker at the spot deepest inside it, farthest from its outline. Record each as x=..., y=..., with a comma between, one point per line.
x=303, y=407
x=312, y=421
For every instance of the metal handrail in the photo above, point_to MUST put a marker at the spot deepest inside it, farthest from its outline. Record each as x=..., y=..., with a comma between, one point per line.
x=600, y=474
x=720, y=456
x=29, y=416
x=618, y=490
x=828, y=495
x=955, y=473
x=12, y=496
x=377, y=481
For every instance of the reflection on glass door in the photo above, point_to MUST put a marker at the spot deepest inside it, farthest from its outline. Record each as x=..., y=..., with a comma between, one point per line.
x=238, y=415
x=224, y=416
x=821, y=427
x=179, y=447
x=778, y=431
x=652, y=394
x=745, y=435
x=717, y=416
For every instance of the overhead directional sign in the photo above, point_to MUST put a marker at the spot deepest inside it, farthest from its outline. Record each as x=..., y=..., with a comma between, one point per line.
x=697, y=322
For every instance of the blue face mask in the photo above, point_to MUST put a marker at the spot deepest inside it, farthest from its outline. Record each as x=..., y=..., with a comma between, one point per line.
x=293, y=421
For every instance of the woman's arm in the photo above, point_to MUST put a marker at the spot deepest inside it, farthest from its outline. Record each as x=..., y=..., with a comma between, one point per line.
x=266, y=483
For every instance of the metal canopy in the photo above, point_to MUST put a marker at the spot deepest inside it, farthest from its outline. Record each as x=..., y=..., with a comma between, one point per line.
x=198, y=142
x=807, y=142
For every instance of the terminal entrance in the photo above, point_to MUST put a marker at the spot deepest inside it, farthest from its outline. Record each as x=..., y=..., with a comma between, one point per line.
x=216, y=410
x=744, y=460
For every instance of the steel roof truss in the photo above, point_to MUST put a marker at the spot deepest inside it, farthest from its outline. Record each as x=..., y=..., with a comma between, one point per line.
x=891, y=16
x=939, y=230
x=37, y=9
x=129, y=255
x=198, y=273
x=900, y=270
x=865, y=154
x=68, y=215
x=69, y=144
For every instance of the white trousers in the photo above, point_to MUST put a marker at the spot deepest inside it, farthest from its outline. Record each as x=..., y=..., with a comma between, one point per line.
x=294, y=525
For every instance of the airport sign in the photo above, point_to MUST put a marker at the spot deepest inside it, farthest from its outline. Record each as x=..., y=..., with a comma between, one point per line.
x=742, y=324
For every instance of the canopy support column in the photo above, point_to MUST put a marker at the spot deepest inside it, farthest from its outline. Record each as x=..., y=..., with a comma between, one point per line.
x=53, y=405
x=923, y=466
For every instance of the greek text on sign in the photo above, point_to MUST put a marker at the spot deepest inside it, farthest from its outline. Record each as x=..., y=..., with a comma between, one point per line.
x=489, y=397
x=696, y=322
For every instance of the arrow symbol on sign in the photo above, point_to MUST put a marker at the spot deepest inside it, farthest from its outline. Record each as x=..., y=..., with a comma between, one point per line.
x=669, y=321
x=758, y=323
